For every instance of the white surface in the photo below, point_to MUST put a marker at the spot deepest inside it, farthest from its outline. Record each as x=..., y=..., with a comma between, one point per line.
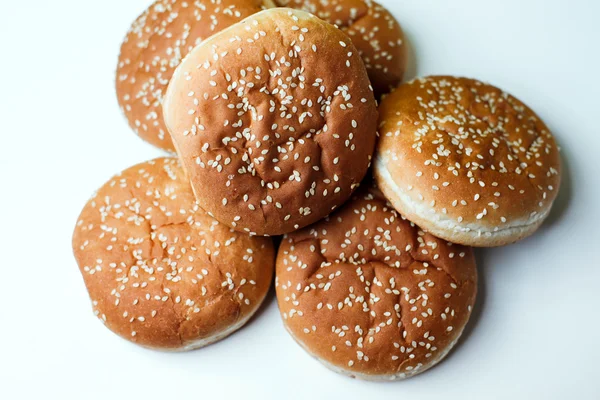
x=535, y=329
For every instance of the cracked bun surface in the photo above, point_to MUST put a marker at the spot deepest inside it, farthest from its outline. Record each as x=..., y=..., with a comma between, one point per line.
x=155, y=45
x=162, y=273
x=371, y=295
x=373, y=30
x=274, y=120
x=466, y=161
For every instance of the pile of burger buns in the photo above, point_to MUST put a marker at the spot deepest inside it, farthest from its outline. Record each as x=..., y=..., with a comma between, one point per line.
x=296, y=154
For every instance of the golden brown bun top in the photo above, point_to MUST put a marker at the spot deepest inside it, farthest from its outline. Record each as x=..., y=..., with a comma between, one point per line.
x=276, y=116
x=369, y=292
x=160, y=271
x=373, y=30
x=155, y=45
x=468, y=152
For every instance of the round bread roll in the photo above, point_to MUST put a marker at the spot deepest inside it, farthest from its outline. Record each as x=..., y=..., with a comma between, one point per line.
x=373, y=30
x=155, y=45
x=466, y=161
x=370, y=295
x=277, y=117
x=160, y=271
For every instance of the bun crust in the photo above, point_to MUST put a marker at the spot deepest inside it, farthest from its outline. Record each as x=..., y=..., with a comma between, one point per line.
x=371, y=295
x=155, y=45
x=466, y=161
x=277, y=117
x=373, y=30
x=161, y=37
x=162, y=273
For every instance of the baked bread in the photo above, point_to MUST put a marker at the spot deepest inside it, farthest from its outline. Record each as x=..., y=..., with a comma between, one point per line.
x=466, y=161
x=162, y=273
x=155, y=45
x=373, y=30
x=276, y=116
x=169, y=29
x=372, y=296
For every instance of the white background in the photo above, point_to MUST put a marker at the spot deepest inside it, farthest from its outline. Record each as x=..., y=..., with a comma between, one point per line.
x=535, y=331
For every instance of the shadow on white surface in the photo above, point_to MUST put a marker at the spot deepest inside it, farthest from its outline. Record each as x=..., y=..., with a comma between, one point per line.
x=266, y=305
x=566, y=191
x=478, y=309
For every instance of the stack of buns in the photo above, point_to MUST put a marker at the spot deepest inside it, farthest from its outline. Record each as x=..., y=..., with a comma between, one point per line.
x=277, y=110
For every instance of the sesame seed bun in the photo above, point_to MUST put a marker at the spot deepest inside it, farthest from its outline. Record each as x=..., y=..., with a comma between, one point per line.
x=372, y=296
x=466, y=161
x=155, y=44
x=162, y=273
x=277, y=117
x=373, y=30
x=168, y=30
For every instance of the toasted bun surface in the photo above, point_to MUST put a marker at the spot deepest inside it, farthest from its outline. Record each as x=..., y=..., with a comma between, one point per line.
x=372, y=296
x=466, y=161
x=159, y=270
x=276, y=116
x=155, y=45
x=373, y=30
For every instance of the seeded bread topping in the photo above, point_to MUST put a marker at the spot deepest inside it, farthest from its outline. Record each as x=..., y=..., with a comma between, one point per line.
x=279, y=136
x=161, y=37
x=370, y=294
x=466, y=161
x=159, y=270
x=373, y=30
x=155, y=45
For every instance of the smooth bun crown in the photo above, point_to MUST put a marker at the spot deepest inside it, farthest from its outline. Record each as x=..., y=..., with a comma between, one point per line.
x=370, y=294
x=159, y=270
x=155, y=45
x=466, y=161
x=274, y=120
x=373, y=30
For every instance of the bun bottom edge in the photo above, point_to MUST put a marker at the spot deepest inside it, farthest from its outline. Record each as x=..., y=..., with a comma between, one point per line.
x=381, y=377
x=472, y=237
x=206, y=341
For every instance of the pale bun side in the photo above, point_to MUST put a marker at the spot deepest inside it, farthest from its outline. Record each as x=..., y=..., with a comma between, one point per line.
x=439, y=225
